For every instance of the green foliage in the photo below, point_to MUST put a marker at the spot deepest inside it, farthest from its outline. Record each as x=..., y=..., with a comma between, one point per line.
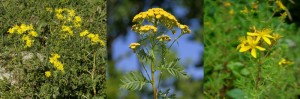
x=134, y=81
x=83, y=62
x=174, y=69
x=231, y=74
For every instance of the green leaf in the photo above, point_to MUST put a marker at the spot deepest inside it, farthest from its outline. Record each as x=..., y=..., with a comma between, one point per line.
x=236, y=94
x=133, y=81
x=174, y=69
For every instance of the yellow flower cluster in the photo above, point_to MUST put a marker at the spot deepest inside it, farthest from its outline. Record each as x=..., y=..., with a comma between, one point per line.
x=66, y=15
x=144, y=29
x=27, y=32
x=285, y=62
x=67, y=30
x=164, y=38
x=133, y=46
x=252, y=42
x=158, y=15
x=93, y=37
x=47, y=73
x=57, y=64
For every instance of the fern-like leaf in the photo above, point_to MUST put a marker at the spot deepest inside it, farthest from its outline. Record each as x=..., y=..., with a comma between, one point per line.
x=174, y=69
x=133, y=81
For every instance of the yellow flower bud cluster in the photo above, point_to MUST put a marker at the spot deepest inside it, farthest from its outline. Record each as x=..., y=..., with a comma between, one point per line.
x=93, y=37
x=27, y=32
x=133, y=46
x=285, y=62
x=67, y=15
x=164, y=38
x=47, y=73
x=67, y=30
x=158, y=15
x=57, y=64
x=144, y=29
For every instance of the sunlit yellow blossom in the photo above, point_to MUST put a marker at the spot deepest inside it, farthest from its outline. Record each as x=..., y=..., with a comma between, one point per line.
x=59, y=10
x=161, y=16
x=56, y=63
x=144, y=29
x=28, y=41
x=84, y=33
x=77, y=19
x=164, y=38
x=252, y=45
x=12, y=30
x=264, y=34
x=245, y=11
x=285, y=62
x=231, y=12
x=71, y=12
x=133, y=46
x=67, y=29
x=280, y=5
x=276, y=37
x=242, y=41
x=227, y=4
x=47, y=73
x=33, y=33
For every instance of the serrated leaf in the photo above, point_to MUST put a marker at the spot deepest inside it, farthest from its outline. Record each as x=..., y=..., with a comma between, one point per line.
x=133, y=81
x=173, y=69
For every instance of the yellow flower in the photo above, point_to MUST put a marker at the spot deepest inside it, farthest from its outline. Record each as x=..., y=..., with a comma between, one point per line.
x=84, y=33
x=56, y=63
x=242, y=41
x=276, y=37
x=67, y=29
x=71, y=12
x=264, y=34
x=227, y=4
x=47, y=73
x=77, y=19
x=28, y=41
x=133, y=46
x=164, y=38
x=231, y=12
x=33, y=33
x=285, y=62
x=280, y=5
x=59, y=10
x=253, y=45
x=245, y=11
x=59, y=16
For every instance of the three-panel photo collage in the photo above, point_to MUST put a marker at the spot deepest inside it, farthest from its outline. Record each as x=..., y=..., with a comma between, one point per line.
x=149, y=49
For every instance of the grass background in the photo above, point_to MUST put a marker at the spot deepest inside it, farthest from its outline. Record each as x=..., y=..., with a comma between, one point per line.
x=24, y=68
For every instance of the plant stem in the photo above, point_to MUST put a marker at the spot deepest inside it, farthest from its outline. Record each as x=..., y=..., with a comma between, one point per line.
x=93, y=72
x=153, y=80
x=258, y=73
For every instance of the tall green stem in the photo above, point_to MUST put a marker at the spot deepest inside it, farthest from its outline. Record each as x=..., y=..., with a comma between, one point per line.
x=152, y=76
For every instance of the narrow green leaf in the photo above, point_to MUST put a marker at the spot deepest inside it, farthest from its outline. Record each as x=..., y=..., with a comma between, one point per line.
x=133, y=81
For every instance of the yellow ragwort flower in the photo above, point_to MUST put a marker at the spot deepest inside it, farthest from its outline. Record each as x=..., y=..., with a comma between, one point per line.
x=56, y=63
x=28, y=41
x=47, y=73
x=84, y=33
x=285, y=62
x=67, y=29
x=164, y=38
x=252, y=45
x=133, y=46
x=159, y=15
x=242, y=41
x=280, y=5
x=264, y=34
x=33, y=33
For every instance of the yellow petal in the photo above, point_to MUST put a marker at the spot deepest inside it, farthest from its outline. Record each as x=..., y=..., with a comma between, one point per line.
x=253, y=52
x=260, y=48
x=252, y=34
x=244, y=48
x=267, y=40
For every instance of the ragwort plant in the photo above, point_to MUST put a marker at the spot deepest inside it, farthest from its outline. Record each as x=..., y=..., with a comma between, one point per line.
x=246, y=54
x=56, y=56
x=152, y=26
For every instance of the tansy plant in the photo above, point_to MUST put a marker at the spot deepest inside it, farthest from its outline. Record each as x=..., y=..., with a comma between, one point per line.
x=152, y=26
